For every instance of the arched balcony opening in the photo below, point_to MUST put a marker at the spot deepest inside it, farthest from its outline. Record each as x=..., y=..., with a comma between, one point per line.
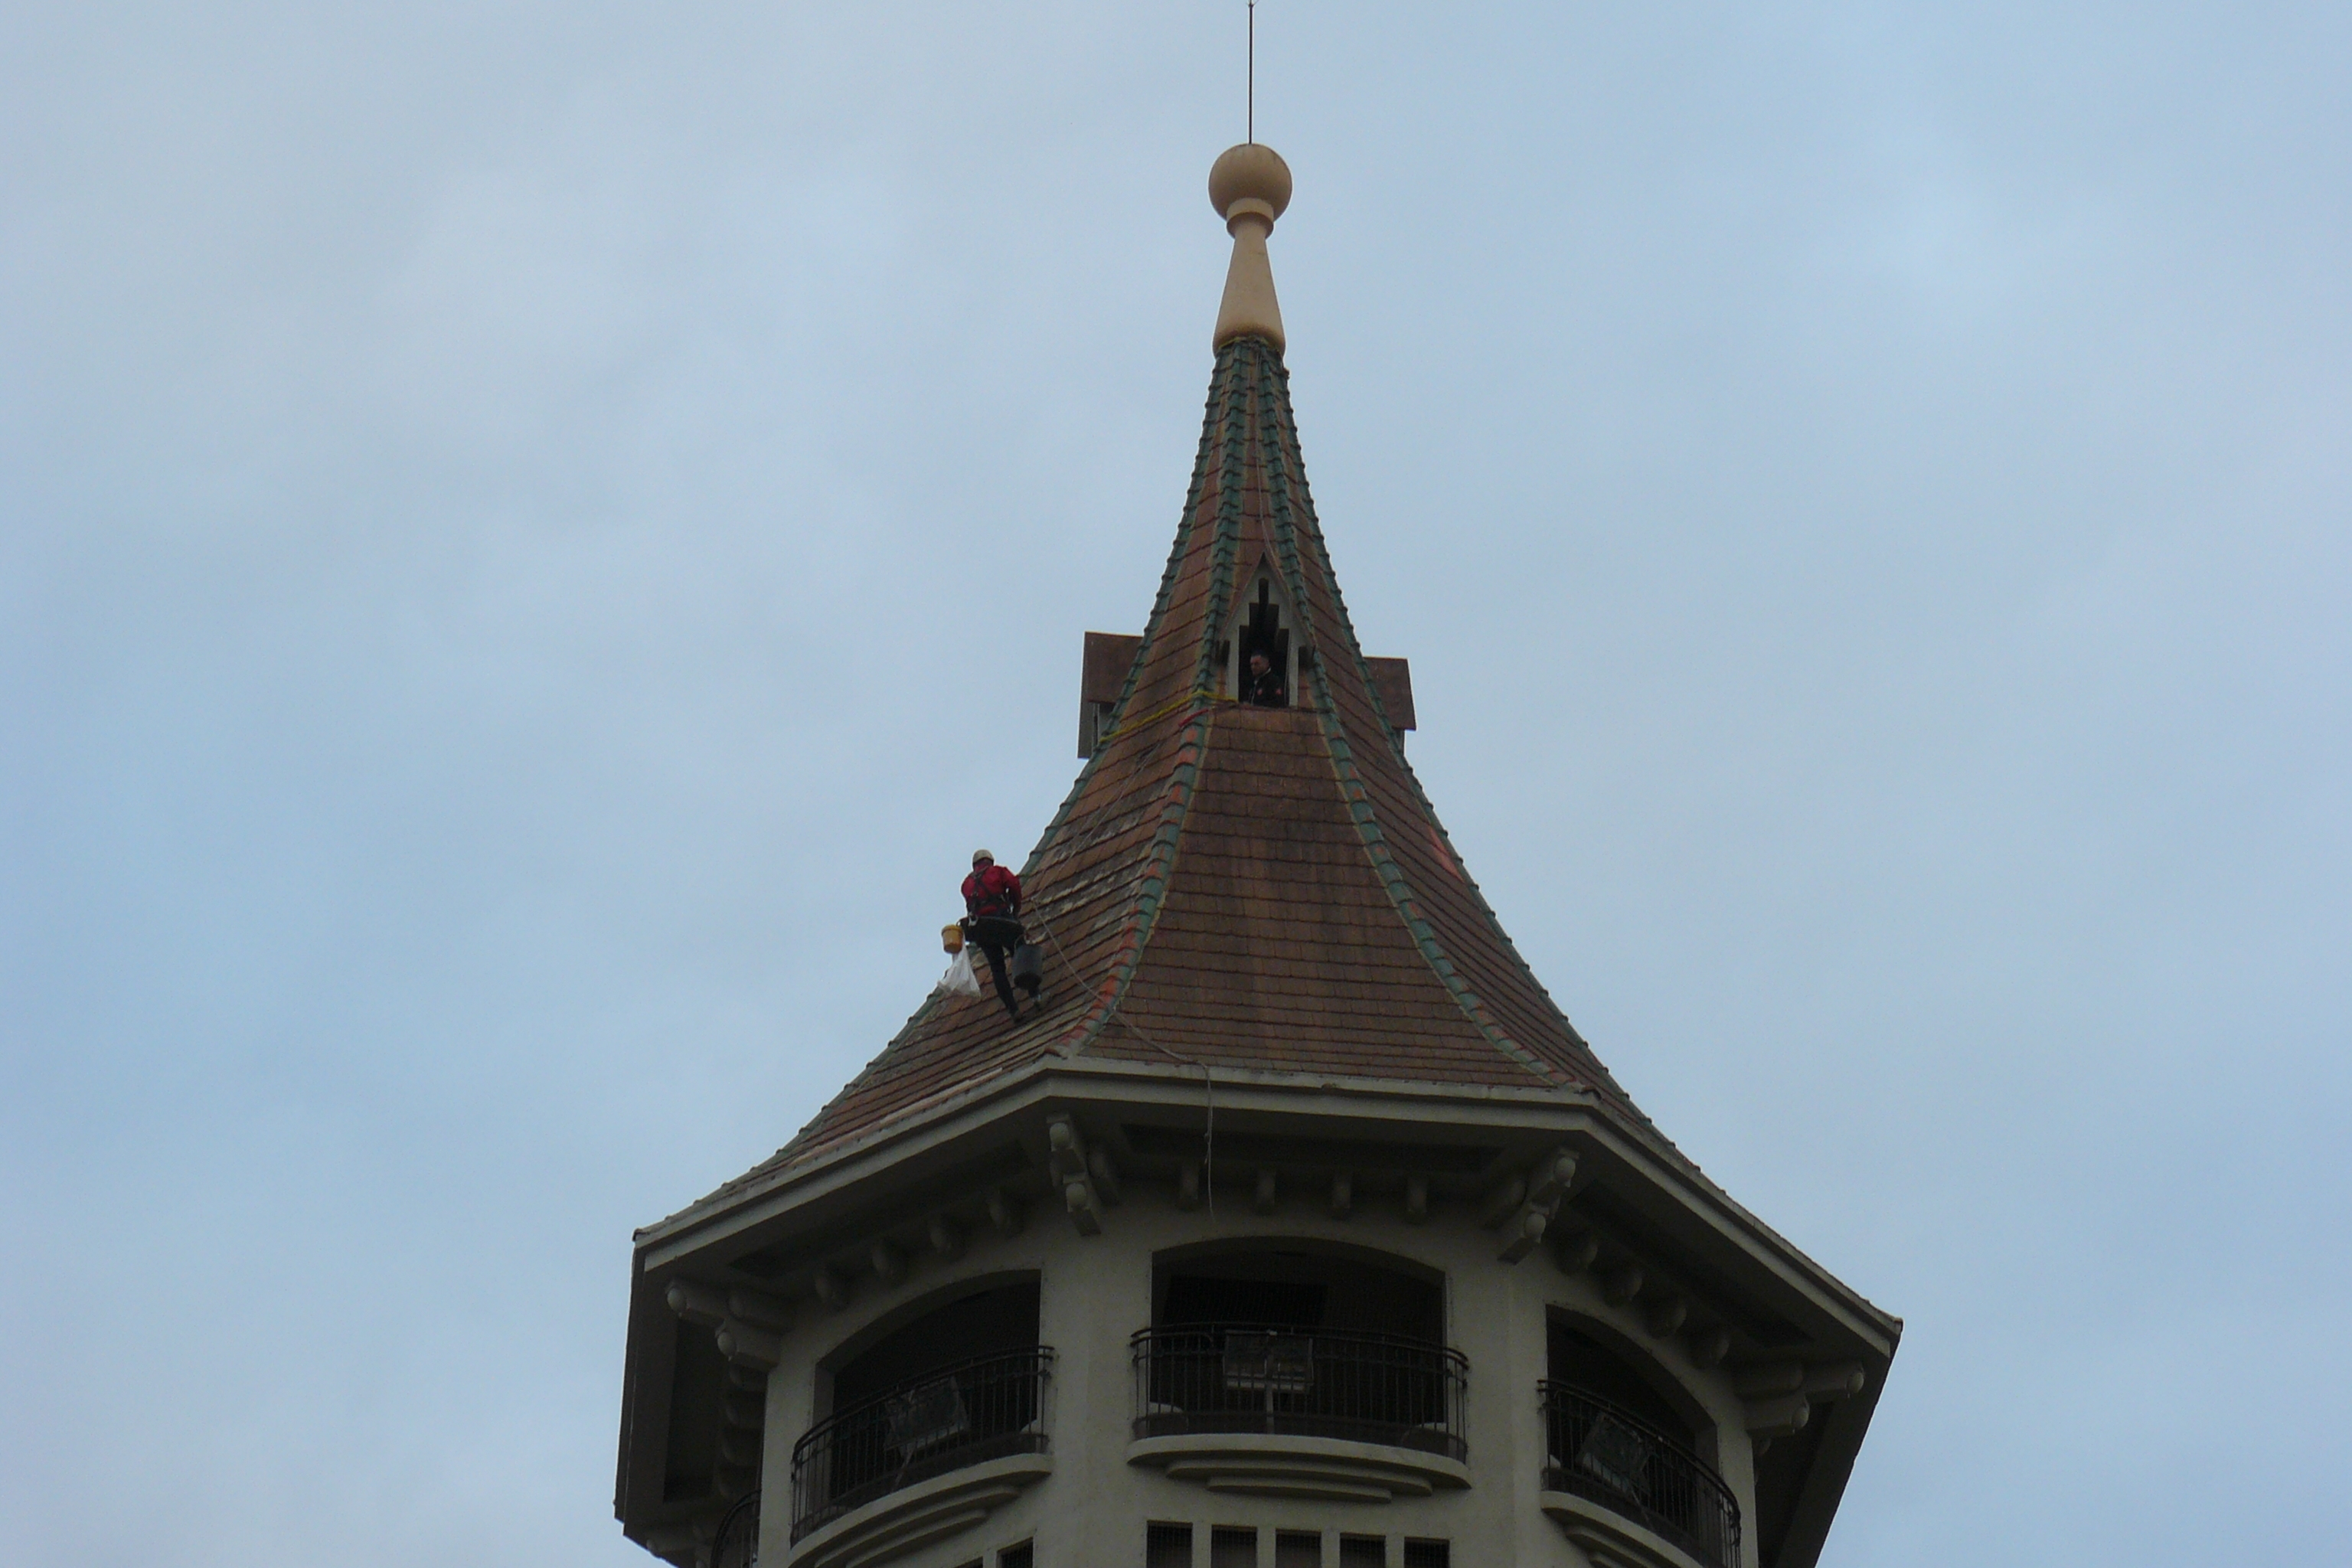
x=960, y=1382
x=1627, y=1446
x=1284, y=1340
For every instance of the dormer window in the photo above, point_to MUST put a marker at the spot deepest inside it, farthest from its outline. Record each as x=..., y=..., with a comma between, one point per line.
x=1261, y=663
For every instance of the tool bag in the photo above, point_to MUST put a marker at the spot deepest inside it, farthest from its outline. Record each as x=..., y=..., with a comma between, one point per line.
x=960, y=979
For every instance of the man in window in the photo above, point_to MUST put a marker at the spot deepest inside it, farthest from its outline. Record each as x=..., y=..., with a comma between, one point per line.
x=1262, y=687
x=992, y=900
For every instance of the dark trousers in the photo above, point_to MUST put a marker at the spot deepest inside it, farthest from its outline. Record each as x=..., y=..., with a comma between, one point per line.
x=996, y=936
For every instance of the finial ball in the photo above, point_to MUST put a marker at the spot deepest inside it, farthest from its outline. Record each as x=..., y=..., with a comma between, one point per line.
x=1251, y=172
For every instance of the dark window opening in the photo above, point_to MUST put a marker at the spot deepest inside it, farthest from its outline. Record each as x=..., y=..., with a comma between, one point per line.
x=1167, y=1546
x=962, y=1385
x=1263, y=638
x=1231, y=1546
x=1614, y=1437
x=1298, y=1291
x=1583, y=1362
x=1427, y=1554
x=1363, y=1552
x=1280, y=1303
x=992, y=1322
x=1020, y=1557
x=1297, y=1549
x=1298, y=1343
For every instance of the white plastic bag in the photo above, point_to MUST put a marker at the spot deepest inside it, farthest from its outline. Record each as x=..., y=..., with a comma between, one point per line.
x=960, y=979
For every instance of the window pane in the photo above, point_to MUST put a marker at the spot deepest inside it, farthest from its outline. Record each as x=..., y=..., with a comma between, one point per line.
x=1581, y=1361
x=1427, y=1554
x=1167, y=1546
x=1363, y=1552
x=1298, y=1549
x=1019, y=1556
x=989, y=1324
x=1232, y=1548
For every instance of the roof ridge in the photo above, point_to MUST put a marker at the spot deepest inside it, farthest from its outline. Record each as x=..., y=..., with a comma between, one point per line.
x=1154, y=624
x=1225, y=539
x=1282, y=441
x=1143, y=902
x=1393, y=875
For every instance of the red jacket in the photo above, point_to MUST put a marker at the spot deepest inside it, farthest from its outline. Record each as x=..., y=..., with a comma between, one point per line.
x=992, y=891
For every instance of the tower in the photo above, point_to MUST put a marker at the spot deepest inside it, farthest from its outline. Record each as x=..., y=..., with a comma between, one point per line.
x=1296, y=1228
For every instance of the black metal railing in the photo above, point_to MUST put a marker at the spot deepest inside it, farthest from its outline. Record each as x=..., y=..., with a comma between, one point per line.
x=738, y=1544
x=963, y=1415
x=1607, y=1454
x=1249, y=1377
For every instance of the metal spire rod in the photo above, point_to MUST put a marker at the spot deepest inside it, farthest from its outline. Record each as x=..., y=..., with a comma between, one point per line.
x=1252, y=110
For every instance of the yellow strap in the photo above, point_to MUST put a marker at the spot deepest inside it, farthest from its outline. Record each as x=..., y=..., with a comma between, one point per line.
x=1197, y=695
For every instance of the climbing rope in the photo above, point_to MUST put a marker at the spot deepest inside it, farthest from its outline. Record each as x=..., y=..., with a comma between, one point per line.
x=1197, y=697
x=1208, y=1084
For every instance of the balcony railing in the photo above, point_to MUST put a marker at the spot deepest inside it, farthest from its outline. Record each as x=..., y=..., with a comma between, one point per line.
x=738, y=1544
x=1606, y=1455
x=964, y=1415
x=1244, y=1377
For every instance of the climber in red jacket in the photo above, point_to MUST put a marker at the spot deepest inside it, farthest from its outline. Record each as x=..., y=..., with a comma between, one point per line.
x=992, y=899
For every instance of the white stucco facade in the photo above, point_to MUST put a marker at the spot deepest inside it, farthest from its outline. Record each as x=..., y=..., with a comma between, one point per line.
x=1096, y=1291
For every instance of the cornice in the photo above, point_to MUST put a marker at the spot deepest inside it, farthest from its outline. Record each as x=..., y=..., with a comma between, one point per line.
x=1527, y=1114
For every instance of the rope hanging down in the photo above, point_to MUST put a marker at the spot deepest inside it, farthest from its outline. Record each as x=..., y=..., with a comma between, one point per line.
x=1208, y=1084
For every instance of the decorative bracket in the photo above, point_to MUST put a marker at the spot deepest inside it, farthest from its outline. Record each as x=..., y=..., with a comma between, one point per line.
x=1779, y=1396
x=1006, y=1213
x=1106, y=1174
x=1532, y=1202
x=830, y=1288
x=750, y=1326
x=1067, y=1160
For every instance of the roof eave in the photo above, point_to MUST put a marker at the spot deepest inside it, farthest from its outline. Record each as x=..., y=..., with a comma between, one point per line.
x=839, y=1185
x=837, y=1173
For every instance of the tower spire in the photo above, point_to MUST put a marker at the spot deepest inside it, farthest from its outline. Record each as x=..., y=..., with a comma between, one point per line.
x=1247, y=885
x=1249, y=185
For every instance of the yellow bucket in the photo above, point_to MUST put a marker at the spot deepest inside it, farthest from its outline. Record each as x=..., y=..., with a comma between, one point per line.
x=951, y=936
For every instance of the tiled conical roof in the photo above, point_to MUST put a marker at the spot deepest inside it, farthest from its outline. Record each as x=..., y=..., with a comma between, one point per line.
x=1249, y=888
x=1262, y=895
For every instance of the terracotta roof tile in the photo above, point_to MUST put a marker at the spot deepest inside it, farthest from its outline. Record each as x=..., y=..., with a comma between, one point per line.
x=1265, y=887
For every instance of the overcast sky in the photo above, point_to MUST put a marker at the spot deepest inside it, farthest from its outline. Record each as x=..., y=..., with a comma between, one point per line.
x=535, y=538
